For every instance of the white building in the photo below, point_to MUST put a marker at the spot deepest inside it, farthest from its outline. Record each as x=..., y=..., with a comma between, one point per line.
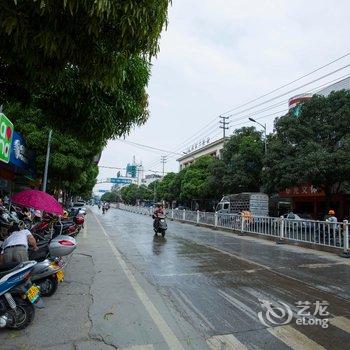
x=294, y=101
x=343, y=84
x=212, y=149
x=149, y=179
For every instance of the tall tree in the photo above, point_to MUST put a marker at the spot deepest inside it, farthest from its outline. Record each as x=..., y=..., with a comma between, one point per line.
x=91, y=112
x=201, y=182
x=243, y=156
x=313, y=148
x=40, y=38
x=71, y=164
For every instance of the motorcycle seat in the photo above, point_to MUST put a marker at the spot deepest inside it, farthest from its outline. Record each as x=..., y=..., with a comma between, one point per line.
x=7, y=268
x=65, y=223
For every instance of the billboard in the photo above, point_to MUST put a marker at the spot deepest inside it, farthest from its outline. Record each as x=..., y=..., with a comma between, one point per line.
x=6, y=131
x=20, y=156
x=131, y=169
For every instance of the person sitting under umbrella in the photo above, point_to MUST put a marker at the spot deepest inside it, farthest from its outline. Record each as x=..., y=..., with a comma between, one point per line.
x=15, y=247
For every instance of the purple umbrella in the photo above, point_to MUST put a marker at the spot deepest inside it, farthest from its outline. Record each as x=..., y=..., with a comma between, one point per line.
x=38, y=200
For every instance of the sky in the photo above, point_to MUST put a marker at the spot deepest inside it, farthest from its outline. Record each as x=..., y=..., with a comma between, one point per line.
x=218, y=55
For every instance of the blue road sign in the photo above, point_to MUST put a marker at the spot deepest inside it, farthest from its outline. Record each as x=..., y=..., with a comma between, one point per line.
x=120, y=180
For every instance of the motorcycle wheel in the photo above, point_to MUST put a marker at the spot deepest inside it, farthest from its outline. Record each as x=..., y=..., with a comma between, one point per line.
x=24, y=314
x=48, y=286
x=163, y=233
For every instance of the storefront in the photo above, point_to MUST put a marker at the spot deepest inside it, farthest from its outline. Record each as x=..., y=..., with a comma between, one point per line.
x=309, y=201
x=16, y=159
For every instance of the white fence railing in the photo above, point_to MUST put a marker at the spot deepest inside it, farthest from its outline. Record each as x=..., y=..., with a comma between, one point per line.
x=322, y=233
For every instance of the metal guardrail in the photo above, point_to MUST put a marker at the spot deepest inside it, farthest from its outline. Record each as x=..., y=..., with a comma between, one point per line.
x=335, y=235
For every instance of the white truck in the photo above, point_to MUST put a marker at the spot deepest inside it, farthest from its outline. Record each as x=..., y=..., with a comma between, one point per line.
x=256, y=203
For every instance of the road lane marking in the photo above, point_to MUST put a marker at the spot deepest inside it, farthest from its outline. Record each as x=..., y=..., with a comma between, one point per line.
x=320, y=265
x=225, y=342
x=163, y=327
x=272, y=270
x=294, y=339
x=341, y=322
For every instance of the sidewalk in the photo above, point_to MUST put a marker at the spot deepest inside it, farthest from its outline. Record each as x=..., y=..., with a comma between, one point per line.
x=103, y=304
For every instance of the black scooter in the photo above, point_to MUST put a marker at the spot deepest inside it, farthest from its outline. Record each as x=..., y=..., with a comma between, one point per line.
x=159, y=225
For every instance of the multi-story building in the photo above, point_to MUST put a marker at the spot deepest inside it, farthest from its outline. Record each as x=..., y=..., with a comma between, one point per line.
x=148, y=179
x=209, y=148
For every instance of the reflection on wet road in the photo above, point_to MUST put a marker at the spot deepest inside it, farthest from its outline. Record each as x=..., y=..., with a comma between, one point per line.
x=218, y=282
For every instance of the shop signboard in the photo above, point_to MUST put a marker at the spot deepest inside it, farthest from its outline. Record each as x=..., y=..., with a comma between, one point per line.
x=21, y=156
x=306, y=190
x=6, y=131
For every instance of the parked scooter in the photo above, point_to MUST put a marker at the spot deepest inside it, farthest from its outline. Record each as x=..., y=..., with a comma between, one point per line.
x=17, y=295
x=48, y=272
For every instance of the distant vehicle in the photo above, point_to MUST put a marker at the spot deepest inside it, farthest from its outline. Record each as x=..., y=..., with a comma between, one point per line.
x=256, y=203
x=79, y=206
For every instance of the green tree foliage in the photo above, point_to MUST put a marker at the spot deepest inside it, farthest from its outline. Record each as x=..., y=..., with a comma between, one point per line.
x=198, y=180
x=168, y=189
x=71, y=166
x=42, y=37
x=313, y=148
x=132, y=193
x=243, y=156
x=84, y=65
x=111, y=197
x=92, y=112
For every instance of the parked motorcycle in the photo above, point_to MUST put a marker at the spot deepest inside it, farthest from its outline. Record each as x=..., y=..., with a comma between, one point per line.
x=17, y=295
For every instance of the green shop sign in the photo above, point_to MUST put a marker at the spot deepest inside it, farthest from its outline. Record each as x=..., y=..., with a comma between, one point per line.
x=6, y=131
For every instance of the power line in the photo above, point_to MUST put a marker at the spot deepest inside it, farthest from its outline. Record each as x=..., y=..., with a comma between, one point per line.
x=269, y=107
x=283, y=86
x=287, y=84
x=119, y=168
x=280, y=112
x=285, y=101
x=290, y=91
x=148, y=147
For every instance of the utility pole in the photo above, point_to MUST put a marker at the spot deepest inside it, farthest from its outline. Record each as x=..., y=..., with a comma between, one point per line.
x=47, y=161
x=163, y=160
x=224, y=125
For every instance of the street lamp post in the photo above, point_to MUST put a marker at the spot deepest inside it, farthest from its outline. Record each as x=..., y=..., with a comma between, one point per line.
x=47, y=161
x=264, y=127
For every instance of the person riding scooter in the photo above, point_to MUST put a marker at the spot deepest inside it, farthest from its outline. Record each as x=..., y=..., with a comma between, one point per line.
x=158, y=214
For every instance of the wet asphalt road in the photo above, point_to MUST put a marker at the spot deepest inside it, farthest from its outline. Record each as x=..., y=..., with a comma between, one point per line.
x=214, y=282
